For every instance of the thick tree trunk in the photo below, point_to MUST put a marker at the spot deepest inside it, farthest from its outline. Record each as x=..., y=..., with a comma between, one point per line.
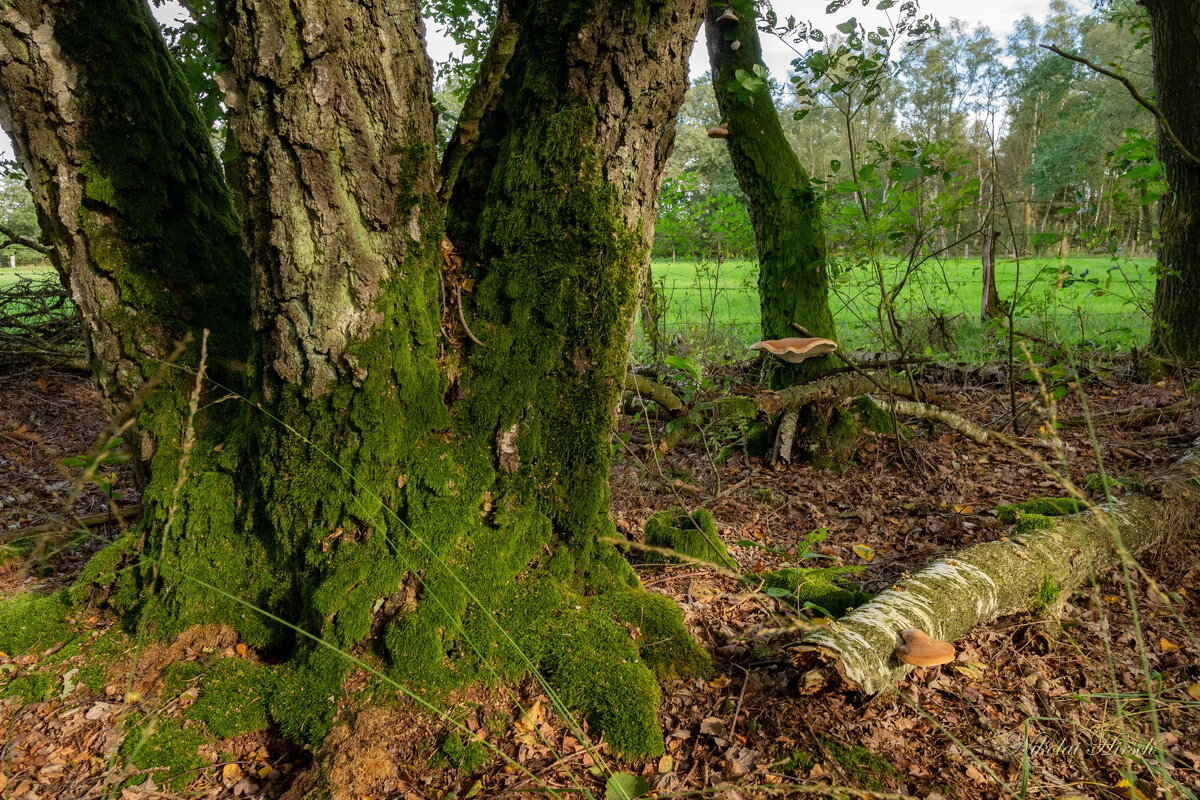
x=793, y=282
x=985, y=581
x=1175, y=27
x=128, y=193
x=395, y=484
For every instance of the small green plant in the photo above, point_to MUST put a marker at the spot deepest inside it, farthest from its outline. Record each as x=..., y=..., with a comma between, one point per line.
x=823, y=590
x=1046, y=596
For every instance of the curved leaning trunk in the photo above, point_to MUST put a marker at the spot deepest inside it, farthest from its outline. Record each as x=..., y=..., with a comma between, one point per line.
x=949, y=597
x=793, y=283
x=394, y=485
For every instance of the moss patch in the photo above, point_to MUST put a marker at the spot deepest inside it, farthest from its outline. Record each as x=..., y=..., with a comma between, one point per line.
x=467, y=757
x=1043, y=506
x=866, y=769
x=101, y=572
x=233, y=697
x=693, y=536
x=36, y=687
x=31, y=622
x=165, y=746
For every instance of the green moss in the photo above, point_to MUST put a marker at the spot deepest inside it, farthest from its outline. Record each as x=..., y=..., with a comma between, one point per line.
x=30, y=622
x=179, y=677
x=797, y=763
x=694, y=536
x=101, y=572
x=864, y=768
x=1043, y=506
x=1046, y=596
x=827, y=436
x=467, y=757
x=874, y=418
x=233, y=697
x=305, y=693
x=823, y=587
x=36, y=687
x=99, y=654
x=656, y=625
x=163, y=744
x=1028, y=523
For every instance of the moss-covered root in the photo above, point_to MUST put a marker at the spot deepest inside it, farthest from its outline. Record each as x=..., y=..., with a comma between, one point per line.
x=1040, y=506
x=691, y=535
x=949, y=597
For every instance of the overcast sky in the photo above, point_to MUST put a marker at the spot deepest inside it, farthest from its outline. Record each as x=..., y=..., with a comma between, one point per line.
x=999, y=15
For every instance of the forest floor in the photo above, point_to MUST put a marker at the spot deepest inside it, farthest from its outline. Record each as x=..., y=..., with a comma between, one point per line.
x=1075, y=704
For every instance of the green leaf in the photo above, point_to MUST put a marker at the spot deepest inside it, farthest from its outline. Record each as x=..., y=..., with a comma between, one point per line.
x=849, y=26
x=623, y=786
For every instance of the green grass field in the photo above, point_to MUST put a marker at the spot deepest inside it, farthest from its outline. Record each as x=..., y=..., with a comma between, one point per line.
x=9, y=276
x=715, y=308
x=1083, y=300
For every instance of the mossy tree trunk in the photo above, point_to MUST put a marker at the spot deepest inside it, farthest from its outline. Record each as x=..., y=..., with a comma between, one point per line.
x=1175, y=28
x=395, y=487
x=793, y=280
x=139, y=223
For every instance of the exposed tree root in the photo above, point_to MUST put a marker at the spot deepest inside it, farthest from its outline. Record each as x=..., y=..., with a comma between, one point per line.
x=985, y=581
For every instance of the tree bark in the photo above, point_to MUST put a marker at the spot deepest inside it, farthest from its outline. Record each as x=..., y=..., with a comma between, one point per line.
x=1175, y=28
x=147, y=242
x=990, y=307
x=973, y=586
x=793, y=281
x=395, y=486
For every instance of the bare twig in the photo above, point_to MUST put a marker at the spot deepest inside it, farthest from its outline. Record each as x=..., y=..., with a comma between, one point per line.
x=462, y=317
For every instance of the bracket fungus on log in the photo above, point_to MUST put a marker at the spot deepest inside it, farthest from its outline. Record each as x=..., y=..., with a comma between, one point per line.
x=795, y=350
x=921, y=650
x=989, y=580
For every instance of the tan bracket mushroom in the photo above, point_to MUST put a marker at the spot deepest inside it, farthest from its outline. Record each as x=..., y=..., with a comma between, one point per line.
x=922, y=651
x=720, y=131
x=795, y=350
x=728, y=18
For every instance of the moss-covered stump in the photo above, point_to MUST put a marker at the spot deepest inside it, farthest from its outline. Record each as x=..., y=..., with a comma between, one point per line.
x=693, y=536
x=1040, y=506
x=828, y=436
x=985, y=581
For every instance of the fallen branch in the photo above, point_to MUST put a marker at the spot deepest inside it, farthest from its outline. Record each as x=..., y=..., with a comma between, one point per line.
x=980, y=583
x=838, y=387
x=1133, y=416
x=81, y=523
x=954, y=422
x=647, y=389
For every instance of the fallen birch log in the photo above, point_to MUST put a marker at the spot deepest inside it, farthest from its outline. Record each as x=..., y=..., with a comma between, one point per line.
x=980, y=583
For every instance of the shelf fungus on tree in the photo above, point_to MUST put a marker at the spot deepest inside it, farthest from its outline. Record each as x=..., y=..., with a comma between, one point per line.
x=728, y=17
x=920, y=650
x=795, y=350
x=720, y=131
